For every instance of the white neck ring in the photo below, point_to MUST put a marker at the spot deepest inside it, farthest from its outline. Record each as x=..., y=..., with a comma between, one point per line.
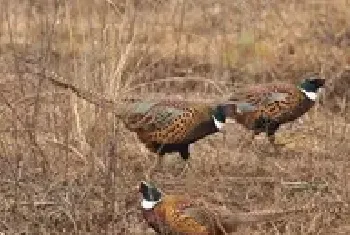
x=219, y=125
x=148, y=205
x=311, y=95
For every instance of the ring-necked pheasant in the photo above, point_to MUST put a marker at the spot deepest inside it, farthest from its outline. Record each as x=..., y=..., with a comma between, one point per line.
x=263, y=108
x=163, y=126
x=171, y=214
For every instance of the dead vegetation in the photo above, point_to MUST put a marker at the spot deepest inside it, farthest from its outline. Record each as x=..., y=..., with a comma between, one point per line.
x=69, y=167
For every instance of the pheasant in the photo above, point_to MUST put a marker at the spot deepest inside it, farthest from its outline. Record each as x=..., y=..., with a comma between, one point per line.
x=163, y=126
x=264, y=108
x=172, y=214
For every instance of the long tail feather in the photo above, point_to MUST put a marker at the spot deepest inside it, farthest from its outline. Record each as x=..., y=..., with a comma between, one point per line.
x=229, y=222
x=120, y=108
x=262, y=216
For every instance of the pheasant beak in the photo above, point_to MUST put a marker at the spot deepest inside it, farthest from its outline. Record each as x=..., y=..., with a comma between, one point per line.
x=143, y=186
x=320, y=82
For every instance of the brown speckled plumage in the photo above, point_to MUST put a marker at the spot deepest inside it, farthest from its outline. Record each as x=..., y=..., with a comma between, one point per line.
x=263, y=108
x=169, y=122
x=172, y=126
x=163, y=126
x=293, y=103
x=182, y=216
x=178, y=215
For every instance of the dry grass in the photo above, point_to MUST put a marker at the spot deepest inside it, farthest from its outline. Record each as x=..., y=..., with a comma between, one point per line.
x=65, y=170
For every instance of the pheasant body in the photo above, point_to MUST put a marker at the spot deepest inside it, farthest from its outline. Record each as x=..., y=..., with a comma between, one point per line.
x=163, y=126
x=265, y=103
x=263, y=108
x=172, y=214
x=171, y=126
x=172, y=122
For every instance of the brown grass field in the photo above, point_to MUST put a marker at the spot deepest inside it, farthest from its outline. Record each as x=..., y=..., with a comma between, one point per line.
x=69, y=167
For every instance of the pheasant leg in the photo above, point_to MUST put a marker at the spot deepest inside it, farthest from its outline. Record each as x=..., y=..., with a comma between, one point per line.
x=276, y=148
x=185, y=154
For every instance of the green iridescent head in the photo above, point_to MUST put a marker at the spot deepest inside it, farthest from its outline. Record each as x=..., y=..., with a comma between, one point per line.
x=220, y=113
x=310, y=87
x=312, y=84
x=219, y=116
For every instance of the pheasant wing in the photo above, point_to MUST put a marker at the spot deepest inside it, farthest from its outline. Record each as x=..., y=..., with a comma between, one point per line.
x=279, y=103
x=153, y=116
x=252, y=102
x=184, y=217
x=205, y=218
x=273, y=101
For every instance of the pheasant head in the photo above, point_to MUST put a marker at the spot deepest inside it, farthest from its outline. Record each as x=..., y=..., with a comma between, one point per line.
x=310, y=87
x=219, y=116
x=151, y=195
